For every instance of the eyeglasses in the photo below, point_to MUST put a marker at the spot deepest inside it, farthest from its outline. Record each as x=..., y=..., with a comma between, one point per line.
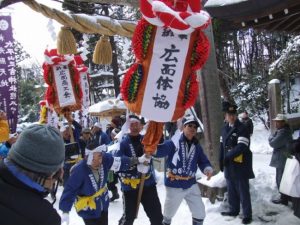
x=192, y=126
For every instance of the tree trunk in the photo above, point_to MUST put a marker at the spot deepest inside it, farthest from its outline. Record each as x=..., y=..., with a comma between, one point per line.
x=115, y=66
x=211, y=104
x=224, y=87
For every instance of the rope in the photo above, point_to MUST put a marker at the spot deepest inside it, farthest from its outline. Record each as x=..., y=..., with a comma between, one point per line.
x=181, y=16
x=85, y=23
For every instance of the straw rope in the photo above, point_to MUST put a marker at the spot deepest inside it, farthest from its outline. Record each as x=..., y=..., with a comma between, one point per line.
x=85, y=23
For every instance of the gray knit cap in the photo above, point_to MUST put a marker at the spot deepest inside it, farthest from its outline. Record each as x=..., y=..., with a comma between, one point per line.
x=39, y=148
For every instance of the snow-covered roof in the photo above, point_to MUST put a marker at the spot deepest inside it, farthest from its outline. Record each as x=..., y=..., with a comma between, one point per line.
x=106, y=106
x=216, y=3
x=106, y=73
x=274, y=81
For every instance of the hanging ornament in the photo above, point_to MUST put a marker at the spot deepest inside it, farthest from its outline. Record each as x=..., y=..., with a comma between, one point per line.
x=169, y=46
x=82, y=71
x=64, y=89
x=103, y=52
x=66, y=43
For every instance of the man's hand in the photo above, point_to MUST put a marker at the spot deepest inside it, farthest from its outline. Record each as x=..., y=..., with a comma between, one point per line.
x=144, y=159
x=208, y=171
x=65, y=219
x=142, y=168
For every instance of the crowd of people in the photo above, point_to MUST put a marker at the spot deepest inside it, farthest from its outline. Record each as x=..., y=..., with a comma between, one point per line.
x=34, y=163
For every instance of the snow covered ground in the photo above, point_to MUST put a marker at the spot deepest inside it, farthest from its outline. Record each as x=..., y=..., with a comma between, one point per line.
x=263, y=189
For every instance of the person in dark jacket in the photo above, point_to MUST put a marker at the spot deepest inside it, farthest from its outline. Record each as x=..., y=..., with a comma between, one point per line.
x=236, y=162
x=296, y=153
x=28, y=174
x=87, y=185
x=184, y=157
x=99, y=135
x=131, y=146
x=84, y=140
x=280, y=141
x=112, y=176
x=71, y=134
x=247, y=122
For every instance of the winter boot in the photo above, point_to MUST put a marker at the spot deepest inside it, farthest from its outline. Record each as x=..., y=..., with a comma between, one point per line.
x=166, y=221
x=282, y=200
x=197, y=221
x=115, y=195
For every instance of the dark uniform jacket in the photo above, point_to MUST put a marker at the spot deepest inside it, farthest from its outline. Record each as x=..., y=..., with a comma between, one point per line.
x=296, y=201
x=235, y=156
x=22, y=205
x=249, y=125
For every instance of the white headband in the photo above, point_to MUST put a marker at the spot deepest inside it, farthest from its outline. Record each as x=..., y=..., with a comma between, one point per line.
x=134, y=120
x=90, y=153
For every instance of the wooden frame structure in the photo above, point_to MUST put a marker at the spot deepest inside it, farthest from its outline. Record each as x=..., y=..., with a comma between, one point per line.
x=271, y=15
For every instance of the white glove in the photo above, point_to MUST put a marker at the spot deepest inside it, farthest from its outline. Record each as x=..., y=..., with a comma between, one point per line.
x=144, y=159
x=143, y=168
x=65, y=219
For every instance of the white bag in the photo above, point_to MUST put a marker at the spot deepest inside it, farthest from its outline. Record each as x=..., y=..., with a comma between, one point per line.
x=290, y=182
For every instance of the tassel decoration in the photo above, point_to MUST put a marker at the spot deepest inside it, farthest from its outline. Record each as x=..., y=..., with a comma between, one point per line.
x=103, y=52
x=66, y=43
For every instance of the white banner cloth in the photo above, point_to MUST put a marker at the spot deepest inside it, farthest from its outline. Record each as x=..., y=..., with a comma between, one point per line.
x=64, y=85
x=164, y=75
x=85, y=89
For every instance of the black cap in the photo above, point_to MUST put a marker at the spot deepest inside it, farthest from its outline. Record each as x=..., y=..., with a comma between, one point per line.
x=229, y=108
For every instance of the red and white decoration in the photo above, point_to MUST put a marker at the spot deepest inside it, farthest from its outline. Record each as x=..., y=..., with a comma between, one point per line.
x=182, y=17
x=63, y=82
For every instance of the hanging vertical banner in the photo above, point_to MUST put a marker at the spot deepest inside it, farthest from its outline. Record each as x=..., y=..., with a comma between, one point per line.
x=170, y=46
x=8, y=80
x=63, y=81
x=85, y=87
x=82, y=72
x=166, y=69
x=64, y=85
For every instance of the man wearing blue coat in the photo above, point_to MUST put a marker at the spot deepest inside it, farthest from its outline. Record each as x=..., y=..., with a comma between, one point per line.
x=184, y=156
x=236, y=162
x=131, y=146
x=86, y=185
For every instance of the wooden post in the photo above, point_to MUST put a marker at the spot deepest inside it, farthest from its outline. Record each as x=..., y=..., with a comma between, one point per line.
x=210, y=101
x=274, y=95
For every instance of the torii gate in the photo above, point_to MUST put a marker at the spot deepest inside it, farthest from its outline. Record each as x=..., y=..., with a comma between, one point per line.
x=209, y=95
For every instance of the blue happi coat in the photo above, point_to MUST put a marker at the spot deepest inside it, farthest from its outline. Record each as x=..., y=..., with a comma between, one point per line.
x=82, y=183
x=127, y=149
x=181, y=162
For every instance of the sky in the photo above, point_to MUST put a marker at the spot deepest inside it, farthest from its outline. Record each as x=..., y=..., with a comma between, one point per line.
x=30, y=28
x=262, y=189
